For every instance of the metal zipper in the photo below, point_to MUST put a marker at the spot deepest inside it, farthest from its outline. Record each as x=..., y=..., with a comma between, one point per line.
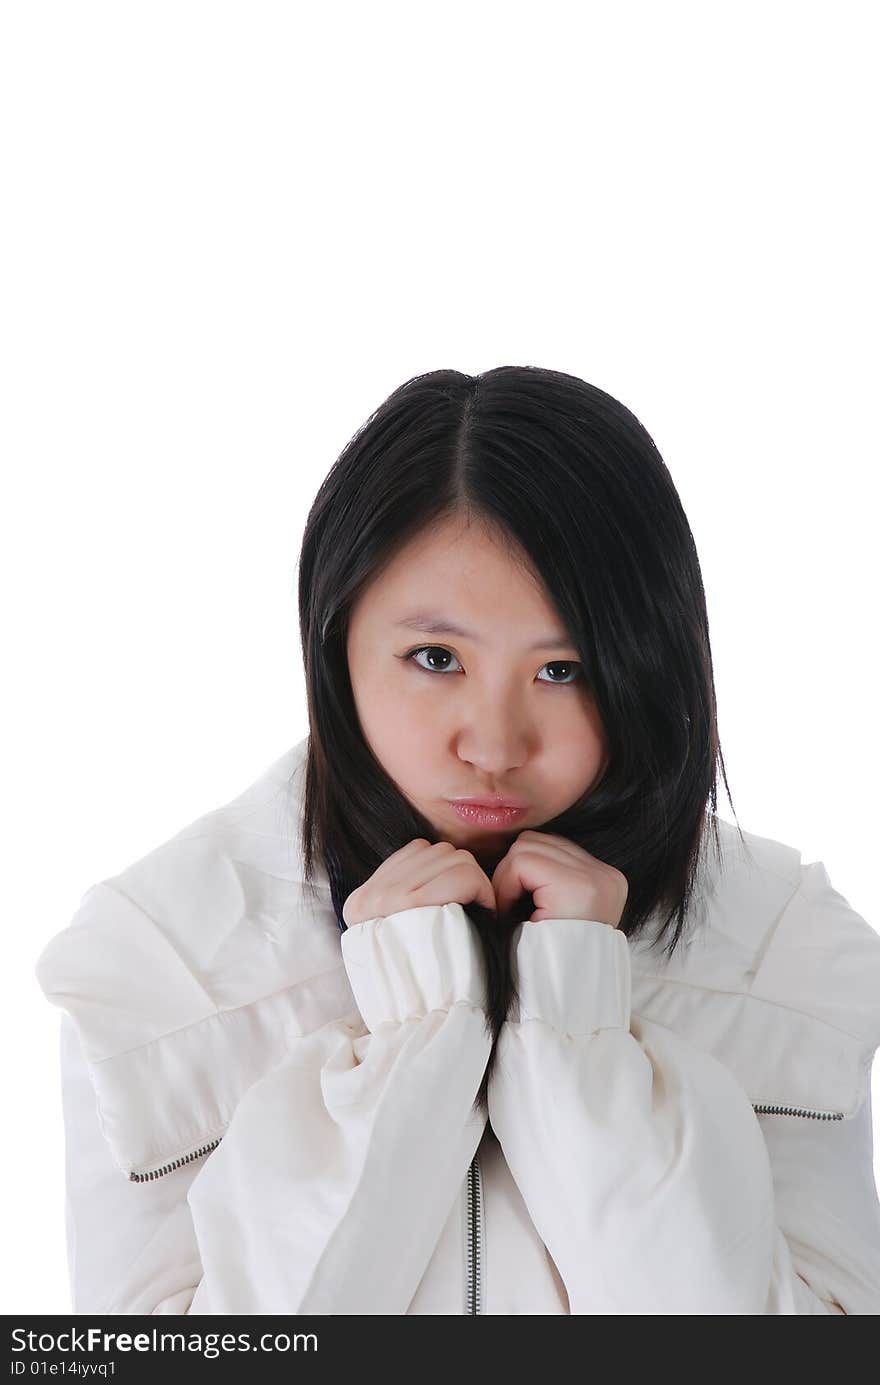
x=797, y=1111
x=175, y=1163
x=475, y=1247
x=475, y=1219
x=475, y=1189
x=475, y=1226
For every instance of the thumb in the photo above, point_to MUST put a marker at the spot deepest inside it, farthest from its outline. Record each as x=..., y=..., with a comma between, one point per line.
x=485, y=893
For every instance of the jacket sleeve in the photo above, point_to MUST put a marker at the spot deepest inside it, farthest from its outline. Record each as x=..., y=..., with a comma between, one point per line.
x=330, y=1186
x=644, y=1166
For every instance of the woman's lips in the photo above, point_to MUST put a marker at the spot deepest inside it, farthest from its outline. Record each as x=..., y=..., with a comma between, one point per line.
x=484, y=816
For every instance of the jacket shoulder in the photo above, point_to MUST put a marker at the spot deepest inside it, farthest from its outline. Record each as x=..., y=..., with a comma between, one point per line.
x=776, y=973
x=188, y=972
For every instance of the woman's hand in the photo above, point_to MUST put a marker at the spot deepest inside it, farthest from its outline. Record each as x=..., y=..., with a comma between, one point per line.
x=419, y=873
x=565, y=881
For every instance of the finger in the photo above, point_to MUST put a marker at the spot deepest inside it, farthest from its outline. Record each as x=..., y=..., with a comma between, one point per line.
x=399, y=874
x=458, y=884
x=410, y=849
x=507, y=881
x=410, y=869
x=476, y=880
x=486, y=894
x=390, y=866
x=556, y=848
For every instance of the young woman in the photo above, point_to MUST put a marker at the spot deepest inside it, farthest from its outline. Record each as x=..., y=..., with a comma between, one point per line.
x=471, y=1003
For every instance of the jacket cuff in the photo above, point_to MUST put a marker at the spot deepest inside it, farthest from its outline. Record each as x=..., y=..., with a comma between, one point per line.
x=403, y=965
x=574, y=975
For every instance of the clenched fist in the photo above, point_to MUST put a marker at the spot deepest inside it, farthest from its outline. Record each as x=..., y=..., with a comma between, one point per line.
x=420, y=873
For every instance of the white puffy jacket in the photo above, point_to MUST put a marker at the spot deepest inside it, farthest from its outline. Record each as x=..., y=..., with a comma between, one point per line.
x=264, y=1115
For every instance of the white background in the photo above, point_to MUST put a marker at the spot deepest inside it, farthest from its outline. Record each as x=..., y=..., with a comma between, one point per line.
x=230, y=230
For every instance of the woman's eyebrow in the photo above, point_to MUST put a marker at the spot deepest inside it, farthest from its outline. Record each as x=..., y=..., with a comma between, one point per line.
x=427, y=623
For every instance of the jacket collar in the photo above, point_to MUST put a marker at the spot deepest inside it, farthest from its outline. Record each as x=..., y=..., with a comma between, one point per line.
x=188, y=974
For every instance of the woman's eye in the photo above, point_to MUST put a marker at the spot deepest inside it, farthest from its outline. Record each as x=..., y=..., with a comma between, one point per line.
x=567, y=665
x=572, y=671
x=431, y=650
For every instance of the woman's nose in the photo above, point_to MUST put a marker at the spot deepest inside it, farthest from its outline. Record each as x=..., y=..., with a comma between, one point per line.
x=493, y=753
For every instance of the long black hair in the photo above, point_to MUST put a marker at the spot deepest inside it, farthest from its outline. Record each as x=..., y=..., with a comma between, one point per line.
x=573, y=482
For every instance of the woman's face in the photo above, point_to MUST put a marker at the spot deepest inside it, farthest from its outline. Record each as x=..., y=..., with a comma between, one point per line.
x=502, y=708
